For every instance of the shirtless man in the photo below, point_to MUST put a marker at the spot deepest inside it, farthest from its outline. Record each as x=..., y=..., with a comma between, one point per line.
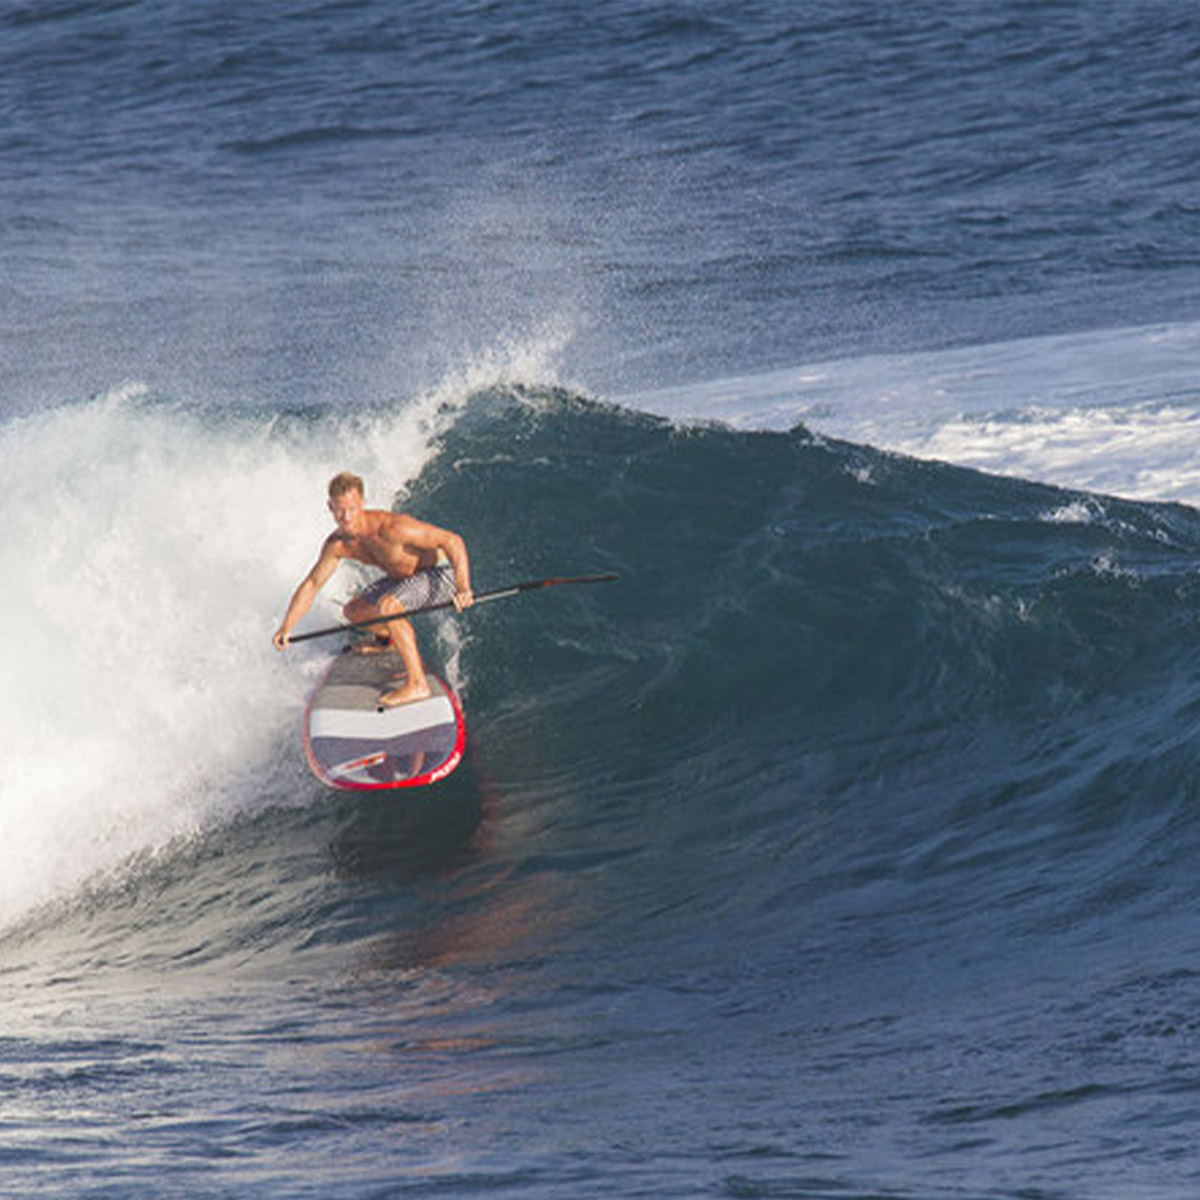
x=422, y=565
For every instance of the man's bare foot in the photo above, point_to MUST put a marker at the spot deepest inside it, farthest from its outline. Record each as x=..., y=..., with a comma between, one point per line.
x=405, y=695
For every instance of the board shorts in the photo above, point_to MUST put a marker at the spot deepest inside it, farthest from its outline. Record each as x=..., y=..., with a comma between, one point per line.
x=432, y=585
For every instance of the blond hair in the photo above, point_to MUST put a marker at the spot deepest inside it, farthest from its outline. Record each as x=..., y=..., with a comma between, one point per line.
x=345, y=482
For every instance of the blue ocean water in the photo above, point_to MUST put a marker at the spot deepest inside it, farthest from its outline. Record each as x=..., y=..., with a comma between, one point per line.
x=846, y=847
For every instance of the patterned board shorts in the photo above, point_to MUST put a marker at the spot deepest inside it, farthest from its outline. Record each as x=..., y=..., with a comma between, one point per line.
x=433, y=585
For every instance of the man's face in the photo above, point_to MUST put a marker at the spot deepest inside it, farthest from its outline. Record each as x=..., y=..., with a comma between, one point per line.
x=347, y=510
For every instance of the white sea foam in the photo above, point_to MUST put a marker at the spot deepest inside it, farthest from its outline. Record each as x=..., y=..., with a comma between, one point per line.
x=1114, y=411
x=1077, y=512
x=148, y=553
x=1145, y=452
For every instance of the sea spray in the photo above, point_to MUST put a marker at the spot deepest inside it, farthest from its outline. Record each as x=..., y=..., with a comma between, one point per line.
x=149, y=549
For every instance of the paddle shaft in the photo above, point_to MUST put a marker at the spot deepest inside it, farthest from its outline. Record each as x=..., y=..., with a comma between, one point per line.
x=513, y=589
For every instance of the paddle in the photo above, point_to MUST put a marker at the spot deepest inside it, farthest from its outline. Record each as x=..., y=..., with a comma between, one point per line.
x=480, y=598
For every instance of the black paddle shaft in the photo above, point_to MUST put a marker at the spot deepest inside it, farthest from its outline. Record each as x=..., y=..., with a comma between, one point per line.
x=514, y=589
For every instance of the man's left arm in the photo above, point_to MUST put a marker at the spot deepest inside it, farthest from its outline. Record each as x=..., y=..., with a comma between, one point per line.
x=430, y=537
x=455, y=550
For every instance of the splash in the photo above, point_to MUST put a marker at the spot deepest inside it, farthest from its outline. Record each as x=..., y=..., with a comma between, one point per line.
x=149, y=549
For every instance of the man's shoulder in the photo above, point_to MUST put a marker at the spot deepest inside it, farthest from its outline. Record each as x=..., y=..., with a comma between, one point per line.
x=394, y=522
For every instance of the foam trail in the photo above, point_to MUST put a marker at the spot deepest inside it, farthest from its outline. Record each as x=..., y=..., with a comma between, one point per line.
x=149, y=550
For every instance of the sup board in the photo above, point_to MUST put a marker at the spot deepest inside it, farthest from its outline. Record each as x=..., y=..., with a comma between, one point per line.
x=354, y=744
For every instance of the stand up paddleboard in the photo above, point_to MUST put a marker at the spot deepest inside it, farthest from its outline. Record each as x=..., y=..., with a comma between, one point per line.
x=354, y=744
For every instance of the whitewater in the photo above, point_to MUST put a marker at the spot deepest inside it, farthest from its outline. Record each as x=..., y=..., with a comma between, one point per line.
x=847, y=846
x=1112, y=411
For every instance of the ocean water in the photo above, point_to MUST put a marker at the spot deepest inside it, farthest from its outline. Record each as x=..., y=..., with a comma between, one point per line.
x=847, y=847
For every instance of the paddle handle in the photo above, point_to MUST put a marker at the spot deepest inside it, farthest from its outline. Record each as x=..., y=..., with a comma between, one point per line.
x=513, y=589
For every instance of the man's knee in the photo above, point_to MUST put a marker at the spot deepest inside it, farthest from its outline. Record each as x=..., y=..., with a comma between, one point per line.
x=389, y=606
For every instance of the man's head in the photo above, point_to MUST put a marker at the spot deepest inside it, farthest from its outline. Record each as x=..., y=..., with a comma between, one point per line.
x=346, y=500
x=344, y=482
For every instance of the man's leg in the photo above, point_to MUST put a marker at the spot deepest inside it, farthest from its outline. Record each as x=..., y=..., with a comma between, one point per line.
x=404, y=641
x=415, y=686
x=359, y=609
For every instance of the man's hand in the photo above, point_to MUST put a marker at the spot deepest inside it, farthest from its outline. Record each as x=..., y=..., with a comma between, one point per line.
x=281, y=639
x=463, y=599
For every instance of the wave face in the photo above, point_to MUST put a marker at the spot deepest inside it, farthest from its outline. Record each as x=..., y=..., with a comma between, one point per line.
x=868, y=771
x=834, y=645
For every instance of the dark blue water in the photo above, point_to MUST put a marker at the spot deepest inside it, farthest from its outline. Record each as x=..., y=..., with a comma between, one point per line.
x=846, y=847
x=353, y=198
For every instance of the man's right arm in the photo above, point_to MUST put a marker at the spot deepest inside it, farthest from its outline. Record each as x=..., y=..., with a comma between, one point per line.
x=304, y=595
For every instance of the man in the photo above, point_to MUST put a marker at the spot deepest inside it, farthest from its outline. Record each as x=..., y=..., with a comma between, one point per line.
x=421, y=563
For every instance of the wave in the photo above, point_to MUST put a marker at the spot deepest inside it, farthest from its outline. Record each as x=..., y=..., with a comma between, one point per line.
x=826, y=663
x=832, y=679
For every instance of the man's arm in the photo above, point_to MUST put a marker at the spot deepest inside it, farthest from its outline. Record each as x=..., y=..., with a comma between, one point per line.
x=429, y=537
x=306, y=593
x=455, y=550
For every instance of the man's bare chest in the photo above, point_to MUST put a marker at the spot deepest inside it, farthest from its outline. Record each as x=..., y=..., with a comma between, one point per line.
x=395, y=557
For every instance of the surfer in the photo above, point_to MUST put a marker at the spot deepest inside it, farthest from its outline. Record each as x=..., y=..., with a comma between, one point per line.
x=422, y=565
